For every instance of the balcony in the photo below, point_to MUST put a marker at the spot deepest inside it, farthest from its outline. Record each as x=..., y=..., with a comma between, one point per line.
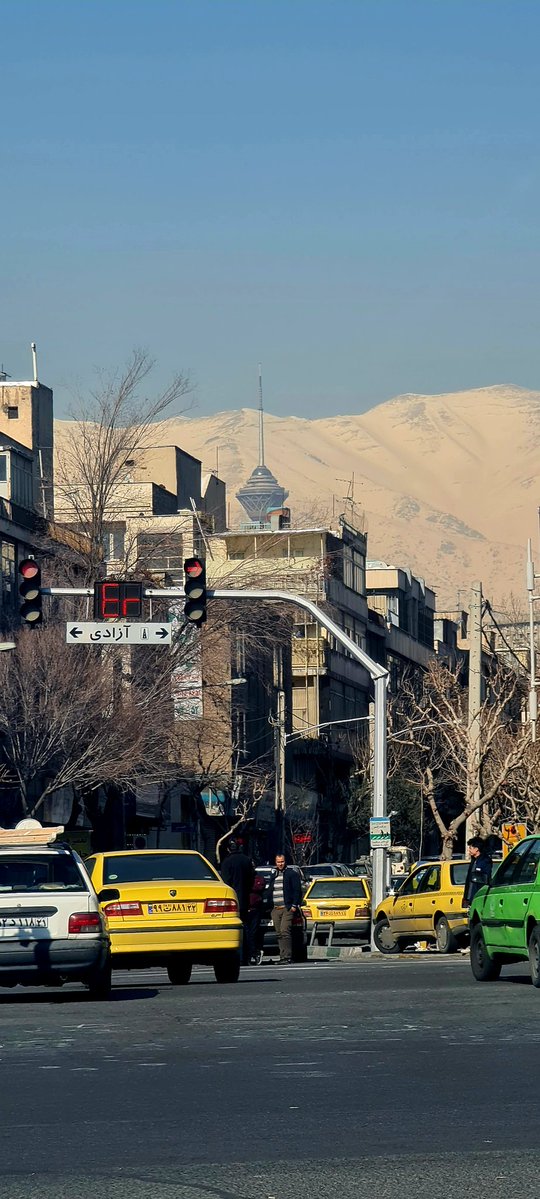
x=309, y=655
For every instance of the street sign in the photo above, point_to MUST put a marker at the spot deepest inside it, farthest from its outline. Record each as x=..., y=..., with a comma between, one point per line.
x=511, y=834
x=92, y=632
x=380, y=836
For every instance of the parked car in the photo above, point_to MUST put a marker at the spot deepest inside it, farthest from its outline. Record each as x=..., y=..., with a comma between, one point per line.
x=505, y=916
x=427, y=907
x=343, y=902
x=327, y=870
x=168, y=908
x=51, y=930
x=299, y=926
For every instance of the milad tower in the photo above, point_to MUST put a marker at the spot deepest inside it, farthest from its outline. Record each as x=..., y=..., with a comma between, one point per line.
x=262, y=492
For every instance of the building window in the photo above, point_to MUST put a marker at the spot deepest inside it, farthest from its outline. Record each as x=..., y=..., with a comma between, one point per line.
x=8, y=574
x=3, y=468
x=160, y=553
x=12, y=412
x=114, y=543
x=354, y=569
x=236, y=555
x=240, y=656
x=425, y=626
x=239, y=731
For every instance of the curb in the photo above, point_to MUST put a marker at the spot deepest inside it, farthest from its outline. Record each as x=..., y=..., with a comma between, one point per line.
x=322, y=952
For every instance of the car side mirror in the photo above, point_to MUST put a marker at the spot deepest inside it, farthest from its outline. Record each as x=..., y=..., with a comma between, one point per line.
x=108, y=894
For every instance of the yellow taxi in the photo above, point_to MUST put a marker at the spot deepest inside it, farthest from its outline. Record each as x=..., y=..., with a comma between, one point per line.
x=427, y=907
x=168, y=908
x=342, y=901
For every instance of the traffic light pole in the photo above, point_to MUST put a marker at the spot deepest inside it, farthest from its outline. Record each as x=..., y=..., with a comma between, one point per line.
x=377, y=673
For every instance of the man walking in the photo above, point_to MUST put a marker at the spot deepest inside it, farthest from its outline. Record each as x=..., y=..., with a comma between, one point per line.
x=479, y=872
x=286, y=898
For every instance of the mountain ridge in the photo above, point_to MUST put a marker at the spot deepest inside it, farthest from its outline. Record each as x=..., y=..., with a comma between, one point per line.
x=445, y=484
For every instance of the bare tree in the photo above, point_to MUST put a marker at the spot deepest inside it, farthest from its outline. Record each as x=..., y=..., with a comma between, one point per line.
x=438, y=751
x=63, y=722
x=108, y=433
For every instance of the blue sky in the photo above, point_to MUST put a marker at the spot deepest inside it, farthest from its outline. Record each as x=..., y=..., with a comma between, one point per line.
x=346, y=190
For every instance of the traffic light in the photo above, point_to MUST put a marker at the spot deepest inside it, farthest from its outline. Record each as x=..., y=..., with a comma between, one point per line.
x=30, y=591
x=195, y=590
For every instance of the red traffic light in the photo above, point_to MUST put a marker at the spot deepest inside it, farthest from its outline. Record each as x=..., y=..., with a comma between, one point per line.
x=30, y=591
x=195, y=590
x=193, y=567
x=28, y=568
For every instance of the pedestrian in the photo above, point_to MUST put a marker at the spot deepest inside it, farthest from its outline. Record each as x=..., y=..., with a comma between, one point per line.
x=479, y=872
x=286, y=899
x=238, y=872
x=255, y=934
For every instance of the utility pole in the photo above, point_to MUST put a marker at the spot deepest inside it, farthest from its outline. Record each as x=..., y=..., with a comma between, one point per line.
x=533, y=694
x=475, y=699
x=280, y=741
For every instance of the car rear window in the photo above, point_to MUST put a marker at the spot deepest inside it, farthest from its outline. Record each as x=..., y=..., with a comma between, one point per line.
x=155, y=867
x=40, y=872
x=458, y=874
x=338, y=890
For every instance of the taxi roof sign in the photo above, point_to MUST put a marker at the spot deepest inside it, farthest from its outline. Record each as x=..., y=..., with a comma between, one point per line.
x=29, y=832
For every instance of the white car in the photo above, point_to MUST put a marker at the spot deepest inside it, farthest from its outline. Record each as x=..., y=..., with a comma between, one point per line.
x=51, y=929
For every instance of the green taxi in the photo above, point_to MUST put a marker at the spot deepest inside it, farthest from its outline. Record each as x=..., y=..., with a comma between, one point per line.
x=504, y=917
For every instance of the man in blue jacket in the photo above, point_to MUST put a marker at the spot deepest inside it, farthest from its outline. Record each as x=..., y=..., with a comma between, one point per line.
x=286, y=899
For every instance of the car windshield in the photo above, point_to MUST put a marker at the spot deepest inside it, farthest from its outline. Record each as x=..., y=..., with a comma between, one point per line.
x=458, y=873
x=338, y=890
x=157, y=867
x=40, y=872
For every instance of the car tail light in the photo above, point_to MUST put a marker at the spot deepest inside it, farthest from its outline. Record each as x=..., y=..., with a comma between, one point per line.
x=220, y=905
x=361, y=911
x=297, y=919
x=123, y=909
x=84, y=922
x=306, y=912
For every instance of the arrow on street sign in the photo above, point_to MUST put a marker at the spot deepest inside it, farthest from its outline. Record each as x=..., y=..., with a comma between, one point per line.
x=112, y=632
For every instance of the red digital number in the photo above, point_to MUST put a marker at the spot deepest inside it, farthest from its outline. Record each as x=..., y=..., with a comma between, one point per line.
x=110, y=600
x=131, y=595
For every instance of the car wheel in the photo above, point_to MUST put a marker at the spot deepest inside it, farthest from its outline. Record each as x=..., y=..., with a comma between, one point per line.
x=179, y=971
x=227, y=967
x=383, y=938
x=483, y=966
x=99, y=982
x=446, y=941
x=534, y=956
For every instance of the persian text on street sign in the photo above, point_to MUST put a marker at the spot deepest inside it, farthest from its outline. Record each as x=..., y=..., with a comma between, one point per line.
x=92, y=632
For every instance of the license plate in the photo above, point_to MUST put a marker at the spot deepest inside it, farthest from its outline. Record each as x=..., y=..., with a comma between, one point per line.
x=23, y=922
x=171, y=909
x=332, y=912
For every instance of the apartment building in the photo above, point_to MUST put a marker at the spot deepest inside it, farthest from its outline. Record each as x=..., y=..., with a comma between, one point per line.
x=405, y=631
x=327, y=685
x=26, y=483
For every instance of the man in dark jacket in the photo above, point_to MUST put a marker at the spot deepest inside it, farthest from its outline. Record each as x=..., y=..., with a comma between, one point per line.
x=479, y=872
x=286, y=899
x=238, y=872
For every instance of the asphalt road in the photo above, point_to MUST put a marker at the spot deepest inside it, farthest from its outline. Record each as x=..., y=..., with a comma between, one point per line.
x=379, y=1078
